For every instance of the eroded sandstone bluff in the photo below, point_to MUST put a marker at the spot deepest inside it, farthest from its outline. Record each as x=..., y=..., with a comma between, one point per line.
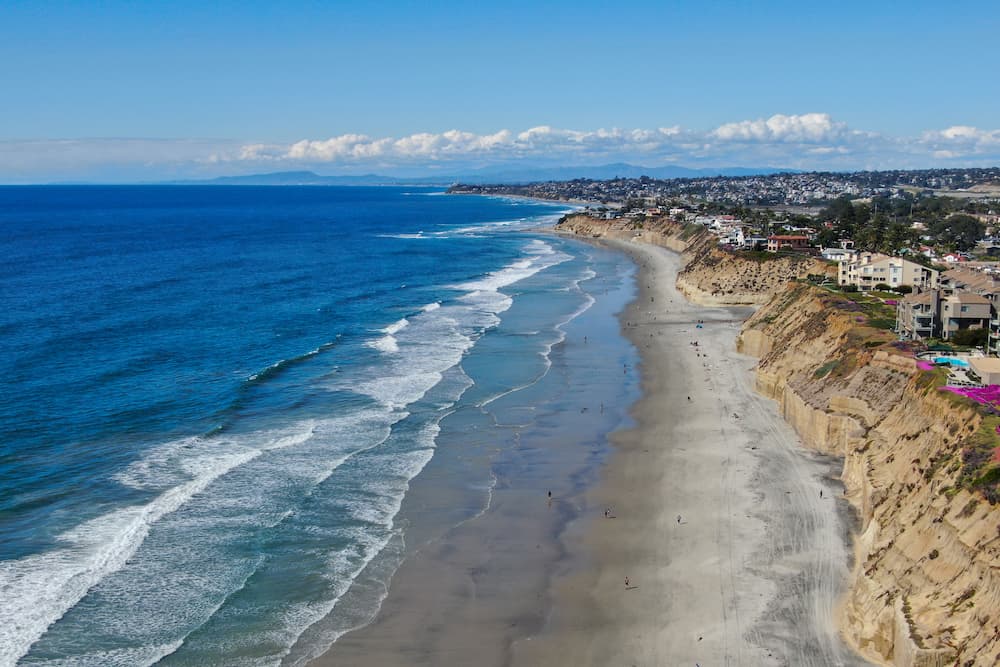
x=920, y=465
x=711, y=277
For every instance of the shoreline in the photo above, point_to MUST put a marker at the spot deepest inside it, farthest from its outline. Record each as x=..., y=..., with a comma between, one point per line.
x=732, y=555
x=465, y=593
x=578, y=203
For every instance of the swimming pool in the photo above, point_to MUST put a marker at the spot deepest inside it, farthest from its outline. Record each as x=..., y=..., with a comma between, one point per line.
x=961, y=363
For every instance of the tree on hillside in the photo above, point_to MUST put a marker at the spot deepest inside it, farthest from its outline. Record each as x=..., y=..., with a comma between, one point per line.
x=959, y=231
x=897, y=237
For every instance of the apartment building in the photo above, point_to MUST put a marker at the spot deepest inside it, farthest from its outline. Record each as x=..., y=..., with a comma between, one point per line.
x=934, y=314
x=870, y=269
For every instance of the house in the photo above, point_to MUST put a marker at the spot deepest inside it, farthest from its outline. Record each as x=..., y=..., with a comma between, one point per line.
x=732, y=236
x=932, y=313
x=838, y=254
x=917, y=315
x=987, y=368
x=785, y=242
x=870, y=269
x=961, y=311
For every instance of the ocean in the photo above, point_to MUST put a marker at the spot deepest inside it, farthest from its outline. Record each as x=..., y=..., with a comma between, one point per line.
x=216, y=400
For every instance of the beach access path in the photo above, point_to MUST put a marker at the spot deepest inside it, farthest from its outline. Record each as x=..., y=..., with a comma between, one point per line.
x=731, y=553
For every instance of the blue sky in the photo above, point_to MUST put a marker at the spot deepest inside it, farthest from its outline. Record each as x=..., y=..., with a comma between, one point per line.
x=130, y=91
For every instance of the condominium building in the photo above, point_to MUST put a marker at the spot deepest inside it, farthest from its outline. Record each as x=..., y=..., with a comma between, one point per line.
x=932, y=314
x=870, y=269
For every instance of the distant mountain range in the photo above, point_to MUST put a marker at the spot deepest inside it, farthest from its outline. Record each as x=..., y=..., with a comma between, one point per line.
x=490, y=175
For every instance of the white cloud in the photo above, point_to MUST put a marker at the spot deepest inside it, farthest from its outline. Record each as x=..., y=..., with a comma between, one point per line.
x=458, y=144
x=806, y=128
x=804, y=141
x=962, y=139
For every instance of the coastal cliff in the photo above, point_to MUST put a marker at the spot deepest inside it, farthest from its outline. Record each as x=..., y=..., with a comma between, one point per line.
x=711, y=276
x=920, y=467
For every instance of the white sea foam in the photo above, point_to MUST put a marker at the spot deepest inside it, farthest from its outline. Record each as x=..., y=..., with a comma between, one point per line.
x=397, y=326
x=388, y=343
x=126, y=657
x=479, y=230
x=540, y=256
x=438, y=336
x=38, y=590
x=343, y=570
x=559, y=328
x=417, y=235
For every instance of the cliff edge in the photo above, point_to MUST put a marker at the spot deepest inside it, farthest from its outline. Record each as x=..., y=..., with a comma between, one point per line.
x=921, y=464
x=711, y=276
x=921, y=467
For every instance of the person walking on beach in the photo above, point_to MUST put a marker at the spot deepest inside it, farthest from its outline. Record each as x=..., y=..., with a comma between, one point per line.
x=678, y=518
x=626, y=583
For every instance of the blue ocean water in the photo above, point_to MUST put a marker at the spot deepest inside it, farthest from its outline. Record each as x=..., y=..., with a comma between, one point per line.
x=214, y=399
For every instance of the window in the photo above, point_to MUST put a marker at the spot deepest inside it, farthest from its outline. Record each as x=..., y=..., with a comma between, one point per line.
x=965, y=309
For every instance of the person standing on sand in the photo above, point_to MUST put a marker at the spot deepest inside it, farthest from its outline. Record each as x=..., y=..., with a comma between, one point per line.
x=626, y=583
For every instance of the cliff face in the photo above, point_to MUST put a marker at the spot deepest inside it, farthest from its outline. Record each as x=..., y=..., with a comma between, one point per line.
x=660, y=231
x=919, y=467
x=712, y=276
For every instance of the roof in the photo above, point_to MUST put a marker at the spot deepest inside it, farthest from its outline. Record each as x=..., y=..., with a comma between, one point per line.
x=975, y=281
x=966, y=297
x=921, y=298
x=985, y=364
x=782, y=237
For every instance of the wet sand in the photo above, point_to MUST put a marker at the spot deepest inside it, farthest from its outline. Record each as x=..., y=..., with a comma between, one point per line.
x=732, y=556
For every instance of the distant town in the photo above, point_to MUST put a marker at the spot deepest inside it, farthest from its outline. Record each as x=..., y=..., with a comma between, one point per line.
x=780, y=189
x=926, y=243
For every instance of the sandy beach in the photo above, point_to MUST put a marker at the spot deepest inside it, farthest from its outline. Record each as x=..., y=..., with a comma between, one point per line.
x=734, y=540
x=725, y=543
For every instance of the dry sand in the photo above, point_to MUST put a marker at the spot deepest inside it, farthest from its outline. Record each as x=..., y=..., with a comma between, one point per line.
x=732, y=555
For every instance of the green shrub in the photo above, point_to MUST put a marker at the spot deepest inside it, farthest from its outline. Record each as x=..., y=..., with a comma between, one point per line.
x=826, y=368
x=971, y=337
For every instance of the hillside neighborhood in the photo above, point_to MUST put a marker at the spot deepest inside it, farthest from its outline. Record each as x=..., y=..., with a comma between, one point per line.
x=925, y=244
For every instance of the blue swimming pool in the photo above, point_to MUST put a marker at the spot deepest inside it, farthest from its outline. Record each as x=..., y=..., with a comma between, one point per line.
x=951, y=360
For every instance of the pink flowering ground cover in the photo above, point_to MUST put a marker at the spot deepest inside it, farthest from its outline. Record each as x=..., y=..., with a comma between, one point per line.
x=988, y=396
x=925, y=365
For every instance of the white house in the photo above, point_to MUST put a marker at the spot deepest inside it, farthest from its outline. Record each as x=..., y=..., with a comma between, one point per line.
x=870, y=269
